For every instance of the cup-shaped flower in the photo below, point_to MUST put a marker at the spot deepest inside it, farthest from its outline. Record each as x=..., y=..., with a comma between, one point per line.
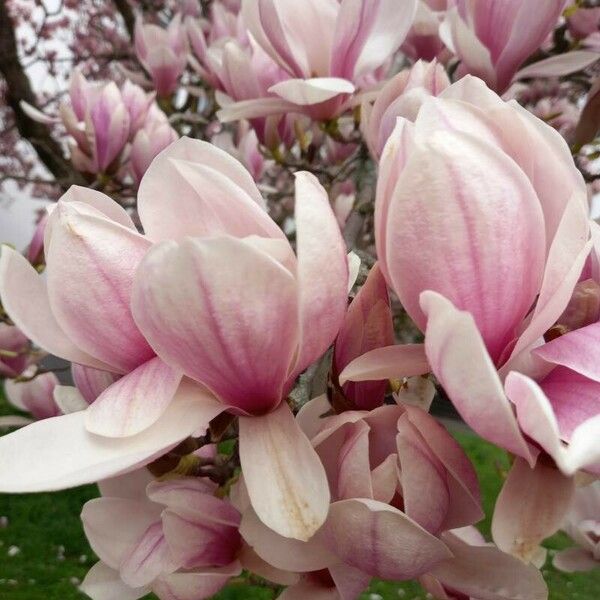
x=401, y=96
x=327, y=48
x=162, y=52
x=35, y=396
x=13, y=351
x=493, y=40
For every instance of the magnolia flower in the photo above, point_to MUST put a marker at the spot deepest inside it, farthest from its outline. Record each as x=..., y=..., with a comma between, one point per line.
x=423, y=40
x=174, y=538
x=495, y=193
x=275, y=314
x=582, y=525
x=152, y=138
x=493, y=41
x=400, y=484
x=13, y=351
x=401, y=96
x=162, y=52
x=583, y=22
x=35, y=396
x=327, y=49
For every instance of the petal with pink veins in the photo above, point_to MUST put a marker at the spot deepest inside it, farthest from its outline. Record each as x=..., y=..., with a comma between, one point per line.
x=223, y=312
x=104, y=583
x=134, y=402
x=286, y=481
x=460, y=361
x=382, y=541
x=60, y=453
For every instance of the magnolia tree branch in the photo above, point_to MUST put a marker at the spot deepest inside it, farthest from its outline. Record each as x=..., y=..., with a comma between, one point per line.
x=19, y=89
x=126, y=12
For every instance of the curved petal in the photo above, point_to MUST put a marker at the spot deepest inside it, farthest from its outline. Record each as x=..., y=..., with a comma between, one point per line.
x=253, y=109
x=389, y=362
x=367, y=34
x=459, y=360
x=285, y=553
x=382, y=541
x=573, y=560
x=90, y=267
x=194, y=188
x=114, y=526
x=481, y=216
x=322, y=270
x=69, y=399
x=91, y=382
x=530, y=507
x=59, y=453
x=485, y=573
x=135, y=401
x=104, y=583
x=25, y=299
x=222, y=311
x=195, y=585
x=305, y=92
x=286, y=481
x=560, y=65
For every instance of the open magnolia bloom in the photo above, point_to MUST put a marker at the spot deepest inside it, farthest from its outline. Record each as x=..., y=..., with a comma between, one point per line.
x=496, y=194
x=400, y=484
x=582, y=525
x=222, y=299
x=349, y=41
x=174, y=538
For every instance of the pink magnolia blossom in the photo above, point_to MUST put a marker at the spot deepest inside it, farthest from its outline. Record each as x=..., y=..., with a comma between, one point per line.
x=13, y=351
x=216, y=240
x=582, y=525
x=402, y=482
x=495, y=194
x=35, y=397
x=423, y=39
x=401, y=96
x=583, y=22
x=327, y=49
x=492, y=40
x=162, y=52
x=174, y=538
x=152, y=138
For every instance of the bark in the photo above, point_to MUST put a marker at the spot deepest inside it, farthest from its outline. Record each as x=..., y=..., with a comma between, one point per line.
x=126, y=12
x=19, y=88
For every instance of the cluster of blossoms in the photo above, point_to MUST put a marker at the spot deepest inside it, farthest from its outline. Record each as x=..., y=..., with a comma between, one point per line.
x=254, y=355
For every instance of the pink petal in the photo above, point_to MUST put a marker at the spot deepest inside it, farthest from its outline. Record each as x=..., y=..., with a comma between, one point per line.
x=131, y=485
x=252, y=109
x=134, y=402
x=251, y=561
x=560, y=65
x=462, y=365
x=69, y=399
x=287, y=554
x=35, y=396
x=565, y=261
x=485, y=573
x=91, y=382
x=223, y=312
x=305, y=92
x=59, y=453
x=309, y=589
x=37, y=115
x=354, y=471
x=286, y=481
x=390, y=362
x=150, y=557
x=19, y=280
x=322, y=271
x=349, y=582
x=91, y=262
x=196, y=585
x=196, y=542
x=537, y=420
x=573, y=560
x=194, y=188
x=114, y=526
x=424, y=490
x=104, y=583
x=574, y=399
x=487, y=265
x=382, y=541
x=531, y=507
x=578, y=350
x=367, y=325
x=464, y=505
x=368, y=33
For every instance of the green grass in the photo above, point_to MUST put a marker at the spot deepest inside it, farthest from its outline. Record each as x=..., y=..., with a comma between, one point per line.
x=54, y=556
